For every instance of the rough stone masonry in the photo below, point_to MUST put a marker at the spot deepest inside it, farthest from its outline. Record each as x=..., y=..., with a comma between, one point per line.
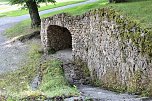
x=113, y=47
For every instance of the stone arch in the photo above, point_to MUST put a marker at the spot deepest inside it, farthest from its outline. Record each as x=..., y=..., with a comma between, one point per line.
x=59, y=37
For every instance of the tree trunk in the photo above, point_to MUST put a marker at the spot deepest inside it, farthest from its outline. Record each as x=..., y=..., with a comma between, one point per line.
x=34, y=14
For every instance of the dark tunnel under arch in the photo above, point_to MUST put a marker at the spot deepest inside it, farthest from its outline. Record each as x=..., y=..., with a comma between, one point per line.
x=59, y=37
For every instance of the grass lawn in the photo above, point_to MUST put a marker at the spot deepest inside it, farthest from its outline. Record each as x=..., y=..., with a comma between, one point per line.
x=80, y=9
x=23, y=27
x=42, y=7
x=139, y=10
x=131, y=9
x=16, y=84
x=4, y=1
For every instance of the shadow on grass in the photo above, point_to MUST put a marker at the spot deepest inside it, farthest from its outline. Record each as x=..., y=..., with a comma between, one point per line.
x=136, y=0
x=2, y=16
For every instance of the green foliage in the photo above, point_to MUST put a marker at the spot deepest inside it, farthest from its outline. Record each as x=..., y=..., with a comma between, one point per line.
x=24, y=1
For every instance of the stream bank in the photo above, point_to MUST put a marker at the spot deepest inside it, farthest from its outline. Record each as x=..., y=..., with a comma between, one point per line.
x=88, y=92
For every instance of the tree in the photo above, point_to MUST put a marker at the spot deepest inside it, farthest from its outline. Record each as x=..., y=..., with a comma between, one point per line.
x=116, y=1
x=32, y=6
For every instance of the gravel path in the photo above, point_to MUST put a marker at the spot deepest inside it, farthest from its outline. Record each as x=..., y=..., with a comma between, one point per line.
x=12, y=55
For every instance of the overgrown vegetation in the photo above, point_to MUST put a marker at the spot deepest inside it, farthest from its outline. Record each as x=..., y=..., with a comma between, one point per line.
x=16, y=85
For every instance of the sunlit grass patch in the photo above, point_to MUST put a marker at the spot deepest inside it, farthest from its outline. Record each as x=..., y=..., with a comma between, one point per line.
x=24, y=27
x=17, y=84
x=139, y=10
x=42, y=7
x=21, y=28
x=53, y=81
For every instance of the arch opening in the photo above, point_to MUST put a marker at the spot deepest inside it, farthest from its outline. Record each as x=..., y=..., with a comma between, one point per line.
x=59, y=37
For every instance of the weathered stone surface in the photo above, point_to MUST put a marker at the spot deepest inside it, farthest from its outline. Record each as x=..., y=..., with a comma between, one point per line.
x=112, y=46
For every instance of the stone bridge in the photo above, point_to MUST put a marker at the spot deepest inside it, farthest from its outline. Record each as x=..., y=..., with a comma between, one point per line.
x=109, y=44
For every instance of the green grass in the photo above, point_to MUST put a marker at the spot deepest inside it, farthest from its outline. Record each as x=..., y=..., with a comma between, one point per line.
x=50, y=6
x=139, y=10
x=131, y=9
x=80, y=9
x=4, y=0
x=17, y=84
x=23, y=27
x=54, y=83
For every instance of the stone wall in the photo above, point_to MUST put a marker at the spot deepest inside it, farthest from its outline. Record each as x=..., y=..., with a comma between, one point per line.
x=116, y=50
